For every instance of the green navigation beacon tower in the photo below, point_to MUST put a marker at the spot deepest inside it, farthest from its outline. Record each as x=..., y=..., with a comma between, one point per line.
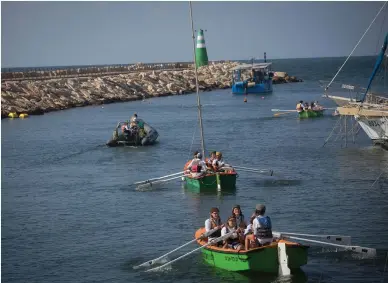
x=200, y=50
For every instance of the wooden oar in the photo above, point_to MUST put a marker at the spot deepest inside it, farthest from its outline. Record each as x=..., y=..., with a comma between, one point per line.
x=262, y=171
x=222, y=238
x=280, y=110
x=153, y=261
x=282, y=113
x=339, y=239
x=153, y=179
x=367, y=251
x=150, y=184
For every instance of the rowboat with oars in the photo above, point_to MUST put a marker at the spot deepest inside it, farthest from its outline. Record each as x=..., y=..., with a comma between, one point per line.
x=224, y=179
x=281, y=256
x=263, y=259
x=311, y=113
x=211, y=181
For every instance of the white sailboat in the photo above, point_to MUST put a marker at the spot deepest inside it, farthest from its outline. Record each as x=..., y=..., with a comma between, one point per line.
x=369, y=109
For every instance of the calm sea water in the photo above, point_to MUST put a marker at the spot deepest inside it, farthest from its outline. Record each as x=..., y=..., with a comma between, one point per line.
x=70, y=214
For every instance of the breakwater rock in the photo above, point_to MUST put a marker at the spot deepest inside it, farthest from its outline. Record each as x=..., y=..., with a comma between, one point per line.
x=40, y=96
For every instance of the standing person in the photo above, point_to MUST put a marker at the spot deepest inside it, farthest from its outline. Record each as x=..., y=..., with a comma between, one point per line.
x=134, y=118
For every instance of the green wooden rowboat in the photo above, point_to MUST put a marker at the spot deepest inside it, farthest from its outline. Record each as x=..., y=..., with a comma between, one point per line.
x=209, y=182
x=310, y=113
x=261, y=259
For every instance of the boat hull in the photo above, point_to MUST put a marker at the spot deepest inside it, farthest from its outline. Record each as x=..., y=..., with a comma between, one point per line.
x=310, y=114
x=259, y=88
x=262, y=259
x=209, y=182
x=134, y=139
x=375, y=127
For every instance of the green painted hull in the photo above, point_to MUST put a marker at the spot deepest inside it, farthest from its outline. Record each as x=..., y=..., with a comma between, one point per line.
x=310, y=114
x=260, y=260
x=209, y=183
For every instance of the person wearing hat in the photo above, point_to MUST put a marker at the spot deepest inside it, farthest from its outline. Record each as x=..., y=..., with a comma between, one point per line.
x=233, y=242
x=197, y=166
x=214, y=222
x=261, y=227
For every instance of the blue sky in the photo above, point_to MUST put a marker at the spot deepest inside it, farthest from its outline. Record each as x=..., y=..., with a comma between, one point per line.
x=86, y=33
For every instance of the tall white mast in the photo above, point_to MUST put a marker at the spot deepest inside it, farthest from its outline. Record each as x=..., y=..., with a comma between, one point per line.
x=196, y=83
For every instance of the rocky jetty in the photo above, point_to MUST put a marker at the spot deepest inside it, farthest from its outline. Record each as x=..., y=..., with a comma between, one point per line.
x=40, y=96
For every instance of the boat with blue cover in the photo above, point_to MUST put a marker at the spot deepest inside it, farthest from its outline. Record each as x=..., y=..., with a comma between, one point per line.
x=252, y=78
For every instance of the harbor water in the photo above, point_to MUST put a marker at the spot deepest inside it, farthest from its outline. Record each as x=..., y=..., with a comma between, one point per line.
x=70, y=213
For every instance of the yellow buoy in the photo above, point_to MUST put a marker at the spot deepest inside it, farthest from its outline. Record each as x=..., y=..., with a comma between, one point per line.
x=13, y=115
x=23, y=115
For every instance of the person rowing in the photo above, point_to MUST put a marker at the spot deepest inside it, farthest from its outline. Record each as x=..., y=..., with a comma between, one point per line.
x=261, y=227
x=197, y=166
x=214, y=222
x=300, y=106
x=233, y=242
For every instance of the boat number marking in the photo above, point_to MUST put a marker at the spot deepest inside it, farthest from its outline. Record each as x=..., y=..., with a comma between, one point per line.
x=231, y=258
x=373, y=123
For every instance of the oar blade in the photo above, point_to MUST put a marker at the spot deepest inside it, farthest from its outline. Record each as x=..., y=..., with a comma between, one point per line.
x=367, y=252
x=145, y=264
x=342, y=240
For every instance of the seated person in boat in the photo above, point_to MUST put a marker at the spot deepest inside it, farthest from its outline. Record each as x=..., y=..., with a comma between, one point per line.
x=218, y=164
x=125, y=128
x=300, y=106
x=214, y=222
x=250, y=241
x=239, y=216
x=209, y=161
x=261, y=227
x=233, y=242
x=306, y=106
x=317, y=107
x=197, y=166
